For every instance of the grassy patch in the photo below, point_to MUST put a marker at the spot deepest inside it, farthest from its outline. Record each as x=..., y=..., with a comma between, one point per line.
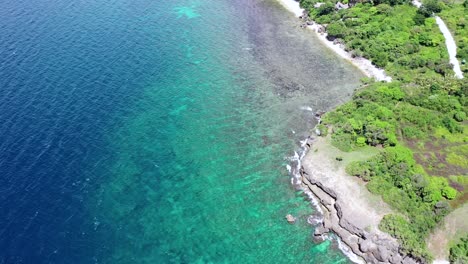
x=443, y=133
x=460, y=179
x=458, y=156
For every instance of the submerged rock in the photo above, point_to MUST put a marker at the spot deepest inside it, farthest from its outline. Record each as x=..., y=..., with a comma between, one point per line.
x=291, y=219
x=314, y=220
x=321, y=230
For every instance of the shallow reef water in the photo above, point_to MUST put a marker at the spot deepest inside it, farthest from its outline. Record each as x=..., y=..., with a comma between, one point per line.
x=158, y=131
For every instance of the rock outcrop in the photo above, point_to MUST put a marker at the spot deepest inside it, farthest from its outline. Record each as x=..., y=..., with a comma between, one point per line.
x=347, y=214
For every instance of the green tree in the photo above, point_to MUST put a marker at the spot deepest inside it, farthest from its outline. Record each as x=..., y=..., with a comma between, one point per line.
x=336, y=30
x=433, y=6
x=460, y=116
x=325, y=9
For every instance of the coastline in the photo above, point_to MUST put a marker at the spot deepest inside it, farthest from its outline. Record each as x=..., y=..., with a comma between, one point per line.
x=350, y=216
x=363, y=64
x=348, y=209
x=325, y=182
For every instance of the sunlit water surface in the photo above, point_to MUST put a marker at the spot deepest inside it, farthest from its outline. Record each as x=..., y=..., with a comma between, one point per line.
x=158, y=131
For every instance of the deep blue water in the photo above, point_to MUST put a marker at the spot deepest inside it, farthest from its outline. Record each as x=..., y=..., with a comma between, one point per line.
x=157, y=131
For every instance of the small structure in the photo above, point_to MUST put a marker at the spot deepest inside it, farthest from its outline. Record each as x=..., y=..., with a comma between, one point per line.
x=340, y=5
x=317, y=5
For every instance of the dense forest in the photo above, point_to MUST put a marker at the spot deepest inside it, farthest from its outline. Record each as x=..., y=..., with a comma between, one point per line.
x=419, y=121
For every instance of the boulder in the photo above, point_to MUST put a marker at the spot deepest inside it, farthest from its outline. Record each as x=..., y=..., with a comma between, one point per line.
x=314, y=220
x=366, y=245
x=317, y=132
x=382, y=254
x=408, y=260
x=320, y=230
x=396, y=259
x=337, y=41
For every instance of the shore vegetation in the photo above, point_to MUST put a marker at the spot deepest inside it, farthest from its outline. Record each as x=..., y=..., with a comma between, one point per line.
x=418, y=121
x=459, y=251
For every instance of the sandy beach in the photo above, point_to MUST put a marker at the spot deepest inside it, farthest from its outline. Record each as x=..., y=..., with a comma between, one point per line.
x=363, y=64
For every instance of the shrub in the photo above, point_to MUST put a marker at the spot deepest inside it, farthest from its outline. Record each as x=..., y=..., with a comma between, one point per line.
x=384, y=9
x=451, y=125
x=459, y=116
x=359, y=169
x=325, y=9
x=307, y=4
x=433, y=6
x=361, y=141
x=380, y=58
x=419, y=18
x=459, y=252
x=336, y=30
x=323, y=130
x=424, y=11
x=325, y=19
x=398, y=227
x=449, y=192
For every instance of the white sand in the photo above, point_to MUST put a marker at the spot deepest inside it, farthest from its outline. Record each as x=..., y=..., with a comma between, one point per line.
x=417, y=3
x=440, y=261
x=292, y=6
x=363, y=64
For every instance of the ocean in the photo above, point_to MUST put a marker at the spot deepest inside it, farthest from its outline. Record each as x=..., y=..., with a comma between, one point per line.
x=158, y=131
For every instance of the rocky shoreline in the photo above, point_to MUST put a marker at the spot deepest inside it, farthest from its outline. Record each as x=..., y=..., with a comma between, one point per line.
x=345, y=209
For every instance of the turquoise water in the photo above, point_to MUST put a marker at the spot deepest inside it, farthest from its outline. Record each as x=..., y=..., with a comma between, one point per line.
x=176, y=122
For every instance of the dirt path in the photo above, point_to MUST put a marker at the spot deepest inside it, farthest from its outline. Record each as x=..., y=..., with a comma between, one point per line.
x=455, y=226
